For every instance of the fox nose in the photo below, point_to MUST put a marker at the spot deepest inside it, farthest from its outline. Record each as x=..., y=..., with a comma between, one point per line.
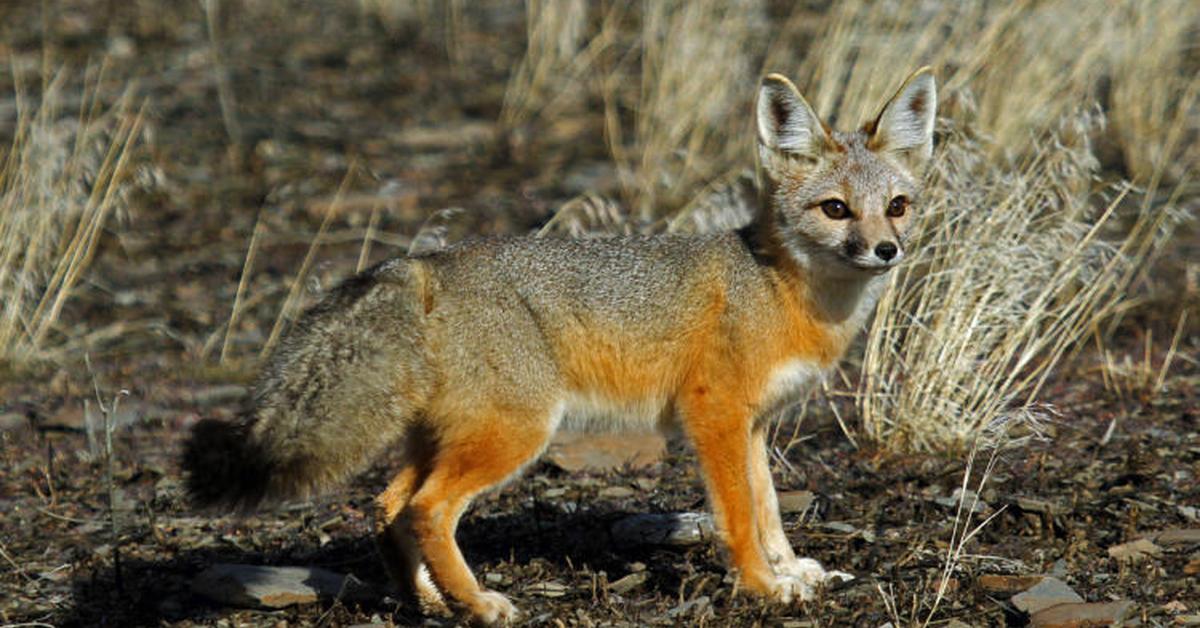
x=885, y=250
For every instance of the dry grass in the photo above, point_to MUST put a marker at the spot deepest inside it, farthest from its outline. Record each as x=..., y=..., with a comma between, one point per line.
x=1028, y=241
x=61, y=179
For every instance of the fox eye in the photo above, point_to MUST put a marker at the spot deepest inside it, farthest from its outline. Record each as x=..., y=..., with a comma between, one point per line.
x=835, y=209
x=897, y=206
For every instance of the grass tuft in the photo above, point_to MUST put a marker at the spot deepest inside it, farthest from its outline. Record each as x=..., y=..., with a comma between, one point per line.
x=63, y=176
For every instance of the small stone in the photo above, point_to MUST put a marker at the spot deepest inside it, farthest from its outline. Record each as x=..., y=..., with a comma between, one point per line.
x=549, y=588
x=795, y=502
x=629, y=583
x=1135, y=550
x=1007, y=585
x=617, y=492
x=839, y=526
x=1192, y=567
x=256, y=586
x=492, y=577
x=1047, y=593
x=571, y=451
x=10, y=421
x=691, y=607
x=678, y=529
x=637, y=566
x=1189, y=536
x=554, y=493
x=1079, y=615
x=1042, y=506
x=970, y=500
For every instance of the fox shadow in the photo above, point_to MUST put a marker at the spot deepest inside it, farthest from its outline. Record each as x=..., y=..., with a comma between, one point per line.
x=532, y=543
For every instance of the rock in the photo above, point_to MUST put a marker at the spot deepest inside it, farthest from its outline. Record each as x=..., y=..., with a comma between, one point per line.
x=697, y=606
x=839, y=526
x=1190, y=536
x=1135, y=550
x=10, y=421
x=1042, y=506
x=1007, y=585
x=1193, y=567
x=1047, y=593
x=1074, y=615
x=617, y=492
x=602, y=452
x=549, y=588
x=554, y=493
x=679, y=529
x=629, y=583
x=795, y=502
x=257, y=586
x=970, y=500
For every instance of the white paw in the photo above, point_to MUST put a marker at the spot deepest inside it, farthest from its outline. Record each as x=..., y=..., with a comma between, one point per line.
x=491, y=608
x=788, y=589
x=801, y=577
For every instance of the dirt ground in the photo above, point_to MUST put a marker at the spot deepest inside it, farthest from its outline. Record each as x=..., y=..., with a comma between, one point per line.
x=331, y=91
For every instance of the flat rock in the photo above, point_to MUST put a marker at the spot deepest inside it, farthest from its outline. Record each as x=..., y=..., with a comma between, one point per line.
x=1187, y=536
x=678, y=529
x=1075, y=615
x=571, y=451
x=1134, y=550
x=628, y=583
x=1008, y=585
x=1049, y=592
x=1030, y=504
x=795, y=502
x=257, y=586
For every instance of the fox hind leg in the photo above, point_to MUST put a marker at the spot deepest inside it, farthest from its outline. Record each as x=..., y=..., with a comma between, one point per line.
x=394, y=536
x=473, y=455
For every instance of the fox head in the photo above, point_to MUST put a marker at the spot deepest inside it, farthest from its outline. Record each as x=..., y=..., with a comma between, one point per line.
x=841, y=202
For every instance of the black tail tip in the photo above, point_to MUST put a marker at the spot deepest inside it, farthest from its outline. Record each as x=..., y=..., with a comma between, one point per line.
x=223, y=468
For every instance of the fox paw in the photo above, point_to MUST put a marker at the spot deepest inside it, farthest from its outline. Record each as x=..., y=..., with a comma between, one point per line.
x=798, y=579
x=493, y=608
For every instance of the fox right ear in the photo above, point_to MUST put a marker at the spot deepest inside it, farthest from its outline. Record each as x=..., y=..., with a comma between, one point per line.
x=786, y=124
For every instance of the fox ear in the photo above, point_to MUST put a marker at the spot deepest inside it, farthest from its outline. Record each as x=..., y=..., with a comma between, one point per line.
x=786, y=124
x=905, y=124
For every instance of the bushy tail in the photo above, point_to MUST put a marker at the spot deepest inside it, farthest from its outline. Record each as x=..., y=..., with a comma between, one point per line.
x=344, y=384
x=224, y=469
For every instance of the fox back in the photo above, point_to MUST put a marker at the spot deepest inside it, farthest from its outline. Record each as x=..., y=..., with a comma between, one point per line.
x=469, y=358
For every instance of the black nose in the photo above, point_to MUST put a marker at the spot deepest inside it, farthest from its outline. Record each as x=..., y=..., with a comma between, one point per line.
x=885, y=251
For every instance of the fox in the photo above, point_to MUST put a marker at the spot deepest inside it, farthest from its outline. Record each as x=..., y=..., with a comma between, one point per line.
x=466, y=360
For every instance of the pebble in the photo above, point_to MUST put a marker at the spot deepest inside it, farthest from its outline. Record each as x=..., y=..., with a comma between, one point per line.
x=1189, y=536
x=1047, y=593
x=1008, y=585
x=1077, y=615
x=1134, y=550
x=795, y=502
x=629, y=582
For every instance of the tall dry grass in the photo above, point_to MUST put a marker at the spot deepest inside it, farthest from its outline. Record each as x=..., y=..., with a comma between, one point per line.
x=63, y=177
x=1027, y=238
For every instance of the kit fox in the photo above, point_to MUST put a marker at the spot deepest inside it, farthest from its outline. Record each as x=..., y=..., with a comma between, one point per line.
x=469, y=358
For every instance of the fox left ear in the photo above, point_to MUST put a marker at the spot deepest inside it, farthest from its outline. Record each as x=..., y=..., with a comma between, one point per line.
x=905, y=125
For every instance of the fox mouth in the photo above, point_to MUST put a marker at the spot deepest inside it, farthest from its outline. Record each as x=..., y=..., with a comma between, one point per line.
x=872, y=266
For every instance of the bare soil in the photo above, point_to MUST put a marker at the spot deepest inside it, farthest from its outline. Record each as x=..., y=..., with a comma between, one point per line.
x=322, y=91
